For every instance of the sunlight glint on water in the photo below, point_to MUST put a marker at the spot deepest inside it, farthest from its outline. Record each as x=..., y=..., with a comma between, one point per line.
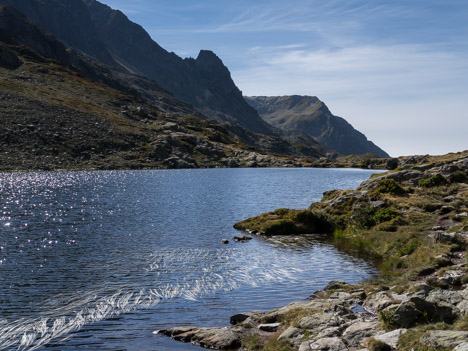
x=102, y=259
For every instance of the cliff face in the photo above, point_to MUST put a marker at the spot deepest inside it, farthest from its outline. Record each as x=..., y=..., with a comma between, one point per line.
x=203, y=82
x=312, y=116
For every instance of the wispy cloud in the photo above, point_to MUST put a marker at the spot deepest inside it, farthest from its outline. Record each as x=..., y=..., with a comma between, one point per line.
x=375, y=71
x=381, y=90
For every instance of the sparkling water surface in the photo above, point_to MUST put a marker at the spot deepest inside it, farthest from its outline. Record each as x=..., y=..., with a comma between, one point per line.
x=102, y=259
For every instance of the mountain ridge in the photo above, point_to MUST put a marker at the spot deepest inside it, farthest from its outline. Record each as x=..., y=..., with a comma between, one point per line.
x=310, y=115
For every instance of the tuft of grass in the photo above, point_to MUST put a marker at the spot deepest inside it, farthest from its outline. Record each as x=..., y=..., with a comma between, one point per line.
x=255, y=342
x=410, y=340
x=458, y=177
x=377, y=345
x=389, y=186
x=433, y=181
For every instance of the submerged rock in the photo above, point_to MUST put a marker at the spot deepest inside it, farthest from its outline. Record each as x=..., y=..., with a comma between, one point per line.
x=242, y=238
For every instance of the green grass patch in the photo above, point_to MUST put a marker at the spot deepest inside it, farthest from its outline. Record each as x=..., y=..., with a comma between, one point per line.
x=433, y=181
x=389, y=186
x=285, y=221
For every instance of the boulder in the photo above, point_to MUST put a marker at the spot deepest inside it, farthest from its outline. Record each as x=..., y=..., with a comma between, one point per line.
x=319, y=321
x=404, y=315
x=444, y=338
x=239, y=318
x=391, y=338
x=377, y=302
x=336, y=285
x=225, y=241
x=269, y=327
x=392, y=163
x=242, y=238
x=213, y=338
x=461, y=347
x=355, y=334
x=324, y=344
x=289, y=333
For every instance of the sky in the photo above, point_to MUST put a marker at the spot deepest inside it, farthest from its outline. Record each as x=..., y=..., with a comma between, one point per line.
x=396, y=70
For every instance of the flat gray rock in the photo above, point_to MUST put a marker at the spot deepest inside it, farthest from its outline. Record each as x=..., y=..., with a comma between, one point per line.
x=289, y=333
x=324, y=344
x=355, y=334
x=270, y=327
x=391, y=338
x=212, y=338
x=444, y=338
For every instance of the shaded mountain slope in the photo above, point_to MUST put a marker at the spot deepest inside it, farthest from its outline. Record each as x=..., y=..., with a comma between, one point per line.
x=68, y=21
x=203, y=82
x=310, y=115
x=111, y=38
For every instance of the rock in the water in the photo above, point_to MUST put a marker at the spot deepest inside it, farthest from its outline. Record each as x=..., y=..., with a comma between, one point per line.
x=214, y=338
x=270, y=327
x=335, y=285
x=391, y=338
x=242, y=238
x=239, y=318
x=225, y=241
x=444, y=338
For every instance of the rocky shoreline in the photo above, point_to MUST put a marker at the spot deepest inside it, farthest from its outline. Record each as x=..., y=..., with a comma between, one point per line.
x=420, y=300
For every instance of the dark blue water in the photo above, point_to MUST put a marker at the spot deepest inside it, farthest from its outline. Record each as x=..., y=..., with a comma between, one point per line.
x=100, y=260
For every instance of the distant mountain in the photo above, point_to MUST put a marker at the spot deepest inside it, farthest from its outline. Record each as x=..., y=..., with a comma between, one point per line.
x=111, y=38
x=310, y=115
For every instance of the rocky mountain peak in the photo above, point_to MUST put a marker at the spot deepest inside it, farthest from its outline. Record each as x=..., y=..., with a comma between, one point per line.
x=310, y=115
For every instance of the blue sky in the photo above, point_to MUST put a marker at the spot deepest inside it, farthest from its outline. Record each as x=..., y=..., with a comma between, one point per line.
x=396, y=70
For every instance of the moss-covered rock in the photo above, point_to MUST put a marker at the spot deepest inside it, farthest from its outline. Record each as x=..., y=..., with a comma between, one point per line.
x=285, y=221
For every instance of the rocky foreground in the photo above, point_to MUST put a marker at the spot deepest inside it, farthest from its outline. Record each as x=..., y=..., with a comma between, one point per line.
x=413, y=222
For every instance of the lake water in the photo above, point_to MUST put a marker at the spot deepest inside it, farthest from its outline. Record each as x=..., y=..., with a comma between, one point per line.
x=100, y=260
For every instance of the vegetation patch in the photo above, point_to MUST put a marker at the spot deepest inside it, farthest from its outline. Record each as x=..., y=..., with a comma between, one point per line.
x=389, y=186
x=377, y=345
x=285, y=221
x=435, y=180
x=458, y=177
